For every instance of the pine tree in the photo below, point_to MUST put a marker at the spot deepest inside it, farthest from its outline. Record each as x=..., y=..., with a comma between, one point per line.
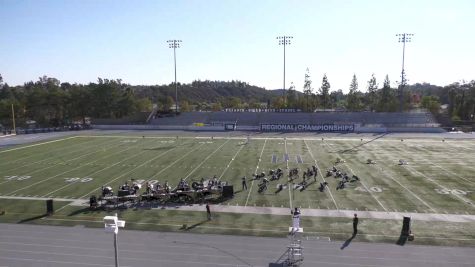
x=388, y=100
x=291, y=96
x=353, y=100
x=325, y=92
x=372, y=93
x=307, y=89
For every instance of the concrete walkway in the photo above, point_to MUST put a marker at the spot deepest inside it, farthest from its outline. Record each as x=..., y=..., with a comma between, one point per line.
x=286, y=211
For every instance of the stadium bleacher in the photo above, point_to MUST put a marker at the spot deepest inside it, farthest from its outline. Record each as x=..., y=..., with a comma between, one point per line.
x=396, y=119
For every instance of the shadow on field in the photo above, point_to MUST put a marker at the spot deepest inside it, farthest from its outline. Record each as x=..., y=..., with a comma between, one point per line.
x=402, y=240
x=354, y=150
x=86, y=211
x=195, y=225
x=347, y=242
x=33, y=218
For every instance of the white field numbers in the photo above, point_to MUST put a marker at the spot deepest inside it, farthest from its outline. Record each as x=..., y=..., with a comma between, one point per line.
x=128, y=141
x=17, y=178
x=77, y=179
x=445, y=191
x=373, y=189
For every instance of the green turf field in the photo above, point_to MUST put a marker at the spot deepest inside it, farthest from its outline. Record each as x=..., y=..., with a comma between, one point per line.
x=437, y=180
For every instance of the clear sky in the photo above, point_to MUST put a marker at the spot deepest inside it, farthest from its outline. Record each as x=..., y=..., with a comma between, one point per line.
x=80, y=40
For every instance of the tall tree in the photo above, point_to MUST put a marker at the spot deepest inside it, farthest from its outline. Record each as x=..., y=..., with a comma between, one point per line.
x=307, y=89
x=325, y=92
x=372, y=93
x=291, y=96
x=388, y=99
x=431, y=103
x=353, y=100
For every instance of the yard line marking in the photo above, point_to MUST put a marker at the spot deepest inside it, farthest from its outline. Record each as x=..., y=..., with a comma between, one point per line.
x=464, y=200
x=407, y=189
x=287, y=163
x=49, y=151
x=203, y=161
x=367, y=189
x=320, y=171
x=39, y=144
x=450, y=172
x=414, y=171
x=60, y=158
x=173, y=163
x=412, y=193
x=144, y=163
x=110, y=166
x=255, y=171
x=231, y=161
x=444, y=169
x=80, y=166
x=55, y=165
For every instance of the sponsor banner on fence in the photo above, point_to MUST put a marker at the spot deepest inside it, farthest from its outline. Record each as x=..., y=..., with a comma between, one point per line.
x=307, y=127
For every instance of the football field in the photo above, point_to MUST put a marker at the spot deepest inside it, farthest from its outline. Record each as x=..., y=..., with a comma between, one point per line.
x=437, y=179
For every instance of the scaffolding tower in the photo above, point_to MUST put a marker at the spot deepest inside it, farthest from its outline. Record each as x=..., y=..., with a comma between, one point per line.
x=293, y=256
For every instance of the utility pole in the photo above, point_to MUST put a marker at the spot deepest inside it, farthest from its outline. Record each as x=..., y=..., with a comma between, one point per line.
x=13, y=119
x=403, y=38
x=175, y=44
x=284, y=40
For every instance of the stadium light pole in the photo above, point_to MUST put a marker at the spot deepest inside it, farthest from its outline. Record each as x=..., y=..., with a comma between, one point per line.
x=175, y=44
x=284, y=40
x=403, y=38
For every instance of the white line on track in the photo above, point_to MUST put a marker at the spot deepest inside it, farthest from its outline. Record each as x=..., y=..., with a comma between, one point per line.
x=320, y=172
x=80, y=166
x=255, y=171
x=156, y=261
x=39, y=144
x=58, y=262
x=367, y=189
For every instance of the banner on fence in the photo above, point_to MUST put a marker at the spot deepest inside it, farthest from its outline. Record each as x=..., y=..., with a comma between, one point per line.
x=307, y=127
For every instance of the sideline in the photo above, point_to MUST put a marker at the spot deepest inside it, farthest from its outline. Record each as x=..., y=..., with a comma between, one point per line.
x=285, y=211
x=39, y=144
